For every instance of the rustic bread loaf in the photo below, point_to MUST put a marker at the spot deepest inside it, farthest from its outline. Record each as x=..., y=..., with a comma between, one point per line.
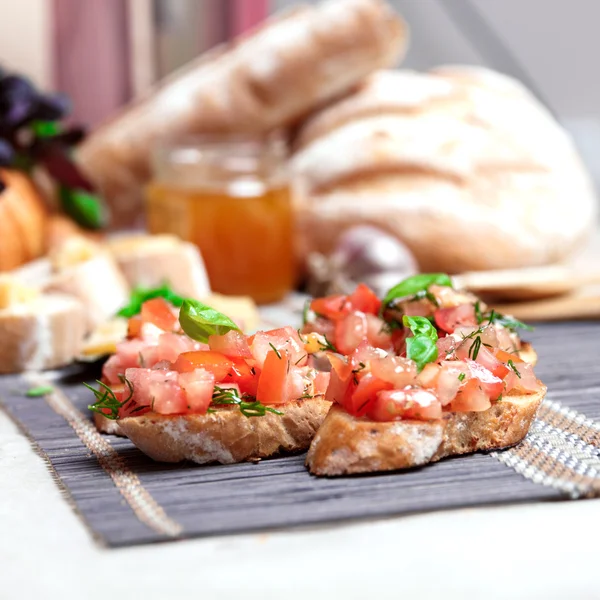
x=462, y=164
x=265, y=80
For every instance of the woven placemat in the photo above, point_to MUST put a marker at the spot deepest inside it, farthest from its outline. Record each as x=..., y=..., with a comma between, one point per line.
x=125, y=498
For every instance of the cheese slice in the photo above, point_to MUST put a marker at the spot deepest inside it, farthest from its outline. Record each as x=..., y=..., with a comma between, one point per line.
x=44, y=332
x=149, y=261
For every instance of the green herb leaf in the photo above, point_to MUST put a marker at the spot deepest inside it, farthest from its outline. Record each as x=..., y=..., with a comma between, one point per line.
x=306, y=312
x=106, y=399
x=415, y=284
x=421, y=348
x=511, y=323
x=83, y=207
x=511, y=364
x=475, y=347
x=248, y=405
x=45, y=129
x=140, y=295
x=461, y=377
x=200, y=321
x=41, y=390
x=275, y=350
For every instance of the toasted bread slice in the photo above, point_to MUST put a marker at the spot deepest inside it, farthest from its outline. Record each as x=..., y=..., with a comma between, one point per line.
x=226, y=436
x=346, y=445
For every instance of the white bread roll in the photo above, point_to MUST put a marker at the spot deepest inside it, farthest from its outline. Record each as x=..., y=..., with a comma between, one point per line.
x=42, y=331
x=151, y=260
x=267, y=79
x=462, y=164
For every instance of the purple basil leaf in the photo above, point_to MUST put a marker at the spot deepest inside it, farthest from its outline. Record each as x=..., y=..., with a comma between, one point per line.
x=18, y=101
x=57, y=162
x=53, y=107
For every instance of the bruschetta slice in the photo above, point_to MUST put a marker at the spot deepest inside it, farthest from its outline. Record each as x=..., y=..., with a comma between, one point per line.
x=193, y=386
x=426, y=373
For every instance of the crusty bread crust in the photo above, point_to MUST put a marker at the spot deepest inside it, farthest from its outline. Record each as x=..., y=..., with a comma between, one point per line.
x=266, y=79
x=461, y=164
x=104, y=425
x=346, y=445
x=226, y=436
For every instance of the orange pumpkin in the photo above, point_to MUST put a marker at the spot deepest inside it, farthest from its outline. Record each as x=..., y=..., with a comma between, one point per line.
x=22, y=220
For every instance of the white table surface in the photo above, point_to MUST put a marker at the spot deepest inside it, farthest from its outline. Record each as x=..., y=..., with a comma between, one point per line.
x=546, y=550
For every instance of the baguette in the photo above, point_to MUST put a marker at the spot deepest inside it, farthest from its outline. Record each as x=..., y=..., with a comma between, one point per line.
x=226, y=436
x=347, y=445
x=265, y=80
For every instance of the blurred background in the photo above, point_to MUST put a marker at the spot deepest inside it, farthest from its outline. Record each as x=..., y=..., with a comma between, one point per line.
x=105, y=52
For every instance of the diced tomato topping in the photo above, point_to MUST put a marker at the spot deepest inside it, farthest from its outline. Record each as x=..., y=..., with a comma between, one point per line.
x=171, y=345
x=471, y=397
x=363, y=354
x=483, y=356
x=273, y=387
x=429, y=375
x=409, y=403
x=365, y=300
x=506, y=356
x=158, y=389
x=446, y=346
x=134, y=326
x=360, y=401
x=321, y=325
x=377, y=333
x=198, y=387
x=350, y=332
x=453, y=375
x=160, y=313
x=225, y=369
x=396, y=370
x=492, y=385
x=285, y=339
x=525, y=381
x=332, y=307
x=341, y=379
x=320, y=383
x=447, y=319
x=233, y=343
x=126, y=357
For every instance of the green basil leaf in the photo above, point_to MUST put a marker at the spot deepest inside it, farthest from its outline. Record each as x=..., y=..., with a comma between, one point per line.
x=422, y=350
x=140, y=295
x=45, y=129
x=420, y=326
x=416, y=284
x=200, y=321
x=84, y=208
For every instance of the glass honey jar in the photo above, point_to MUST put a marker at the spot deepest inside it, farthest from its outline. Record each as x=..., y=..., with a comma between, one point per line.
x=232, y=197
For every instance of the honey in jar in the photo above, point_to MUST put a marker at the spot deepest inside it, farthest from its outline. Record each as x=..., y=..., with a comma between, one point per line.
x=232, y=198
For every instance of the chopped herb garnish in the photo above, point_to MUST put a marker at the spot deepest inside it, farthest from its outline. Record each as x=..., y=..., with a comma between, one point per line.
x=248, y=405
x=499, y=398
x=301, y=358
x=41, y=390
x=328, y=346
x=475, y=347
x=141, y=359
x=503, y=320
x=141, y=295
x=106, y=399
x=361, y=366
x=511, y=364
x=461, y=377
x=275, y=350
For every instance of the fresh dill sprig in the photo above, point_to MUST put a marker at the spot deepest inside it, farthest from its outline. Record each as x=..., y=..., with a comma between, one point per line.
x=248, y=405
x=511, y=364
x=275, y=350
x=107, y=400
